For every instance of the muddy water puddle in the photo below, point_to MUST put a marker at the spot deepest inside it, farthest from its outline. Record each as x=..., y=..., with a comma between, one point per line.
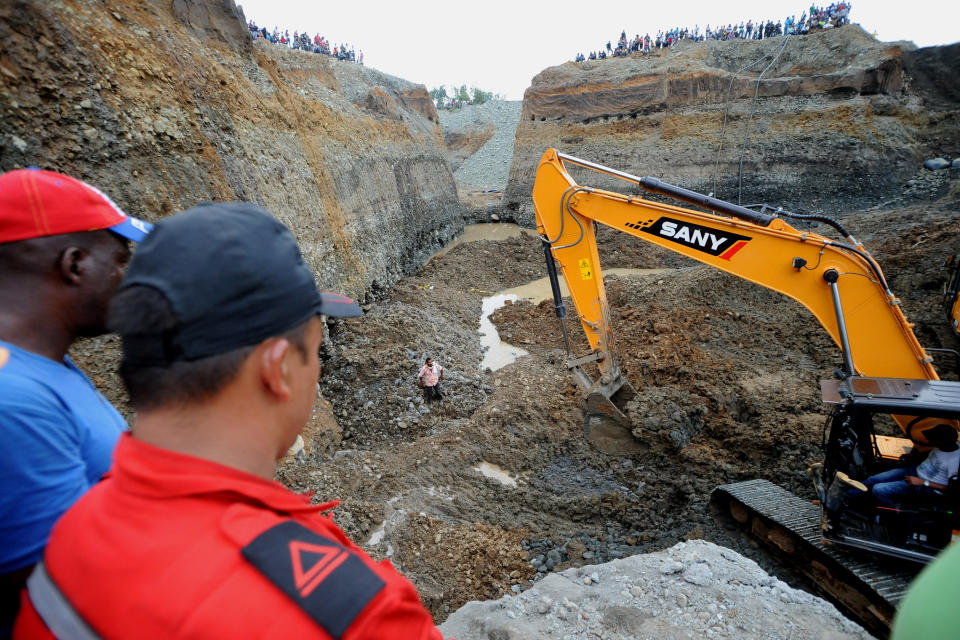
x=539, y=290
x=498, y=474
x=498, y=354
x=487, y=231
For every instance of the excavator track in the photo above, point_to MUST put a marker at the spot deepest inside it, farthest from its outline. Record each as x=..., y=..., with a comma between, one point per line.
x=867, y=589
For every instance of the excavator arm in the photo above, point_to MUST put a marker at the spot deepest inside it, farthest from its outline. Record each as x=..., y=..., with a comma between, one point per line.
x=837, y=281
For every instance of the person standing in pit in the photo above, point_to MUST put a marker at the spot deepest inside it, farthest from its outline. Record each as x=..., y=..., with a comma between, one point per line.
x=429, y=379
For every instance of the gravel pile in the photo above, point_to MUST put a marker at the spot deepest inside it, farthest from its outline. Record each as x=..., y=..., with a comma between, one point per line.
x=489, y=167
x=693, y=590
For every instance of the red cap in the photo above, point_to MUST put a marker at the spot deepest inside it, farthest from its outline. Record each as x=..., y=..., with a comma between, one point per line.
x=35, y=203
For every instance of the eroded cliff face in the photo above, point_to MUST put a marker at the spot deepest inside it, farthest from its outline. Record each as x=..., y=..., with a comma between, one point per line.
x=164, y=105
x=824, y=122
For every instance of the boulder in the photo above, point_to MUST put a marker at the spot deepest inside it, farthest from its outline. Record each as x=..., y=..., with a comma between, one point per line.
x=935, y=164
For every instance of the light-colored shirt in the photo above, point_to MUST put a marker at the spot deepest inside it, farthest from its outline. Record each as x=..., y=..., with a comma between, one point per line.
x=430, y=375
x=939, y=466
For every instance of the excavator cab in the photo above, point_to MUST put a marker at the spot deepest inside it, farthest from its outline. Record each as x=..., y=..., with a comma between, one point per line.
x=919, y=527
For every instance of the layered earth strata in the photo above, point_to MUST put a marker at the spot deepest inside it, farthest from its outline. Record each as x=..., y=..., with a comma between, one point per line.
x=164, y=105
x=827, y=122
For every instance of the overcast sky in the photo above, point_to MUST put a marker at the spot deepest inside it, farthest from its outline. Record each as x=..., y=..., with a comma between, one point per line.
x=499, y=45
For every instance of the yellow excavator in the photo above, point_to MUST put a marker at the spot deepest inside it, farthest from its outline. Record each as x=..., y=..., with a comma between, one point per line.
x=885, y=371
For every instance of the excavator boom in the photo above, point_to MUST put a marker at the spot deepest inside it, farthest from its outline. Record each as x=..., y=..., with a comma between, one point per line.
x=774, y=255
x=837, y=281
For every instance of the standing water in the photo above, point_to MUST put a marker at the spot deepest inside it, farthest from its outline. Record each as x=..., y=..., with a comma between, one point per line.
x=496, y=353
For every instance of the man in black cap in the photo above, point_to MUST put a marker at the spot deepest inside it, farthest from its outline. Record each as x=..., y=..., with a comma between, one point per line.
x=190, y=536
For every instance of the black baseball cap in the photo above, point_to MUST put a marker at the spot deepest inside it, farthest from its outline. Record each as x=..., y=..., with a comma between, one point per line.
x=233, y=275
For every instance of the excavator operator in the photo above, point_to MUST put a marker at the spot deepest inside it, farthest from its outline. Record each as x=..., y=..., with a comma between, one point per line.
x=929, y=479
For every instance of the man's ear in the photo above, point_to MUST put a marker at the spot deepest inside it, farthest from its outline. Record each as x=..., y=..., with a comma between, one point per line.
x=71, y=264
x=274, y=371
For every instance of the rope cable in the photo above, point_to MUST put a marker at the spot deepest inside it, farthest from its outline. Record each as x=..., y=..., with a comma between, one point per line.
x=756, y=95
x=726, y=111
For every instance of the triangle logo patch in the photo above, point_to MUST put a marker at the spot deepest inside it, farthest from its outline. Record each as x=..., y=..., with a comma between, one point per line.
x=312, y=563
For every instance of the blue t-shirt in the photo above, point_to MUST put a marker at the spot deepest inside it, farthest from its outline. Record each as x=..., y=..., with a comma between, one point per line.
x=57, y=435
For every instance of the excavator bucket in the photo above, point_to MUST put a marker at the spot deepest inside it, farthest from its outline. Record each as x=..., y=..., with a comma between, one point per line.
x=605, y=422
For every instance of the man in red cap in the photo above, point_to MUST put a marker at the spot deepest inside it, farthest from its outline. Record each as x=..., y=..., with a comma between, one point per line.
x=190, y=536
x=63, y=248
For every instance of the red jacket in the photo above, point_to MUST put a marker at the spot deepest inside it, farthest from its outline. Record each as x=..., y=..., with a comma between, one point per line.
x=172, y=546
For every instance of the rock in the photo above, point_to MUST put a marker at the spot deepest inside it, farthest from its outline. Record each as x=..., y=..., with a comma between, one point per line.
x=611, y=609
x=956, y=163
x=543, y=605
x=670, y=410
x=19, y=143
x=671, y=567
x=90, y=134
x=935, y=164
x=505, y=633
x=85, y=103
x=699, y=574
x=297, y=447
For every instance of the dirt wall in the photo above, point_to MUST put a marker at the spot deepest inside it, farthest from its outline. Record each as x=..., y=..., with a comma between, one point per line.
x=167, y=104
x=830, y=121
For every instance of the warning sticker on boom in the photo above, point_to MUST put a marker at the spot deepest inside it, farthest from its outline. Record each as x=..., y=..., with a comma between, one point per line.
x=586, y=271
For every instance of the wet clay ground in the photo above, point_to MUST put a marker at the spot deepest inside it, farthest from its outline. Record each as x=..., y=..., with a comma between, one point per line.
x=733, y=364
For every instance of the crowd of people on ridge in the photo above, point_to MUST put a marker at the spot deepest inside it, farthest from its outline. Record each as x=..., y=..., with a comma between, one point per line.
x=303, y=41
x=833, y=15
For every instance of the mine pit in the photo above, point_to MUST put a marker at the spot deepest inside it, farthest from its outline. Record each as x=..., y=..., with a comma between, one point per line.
x=493, y=496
